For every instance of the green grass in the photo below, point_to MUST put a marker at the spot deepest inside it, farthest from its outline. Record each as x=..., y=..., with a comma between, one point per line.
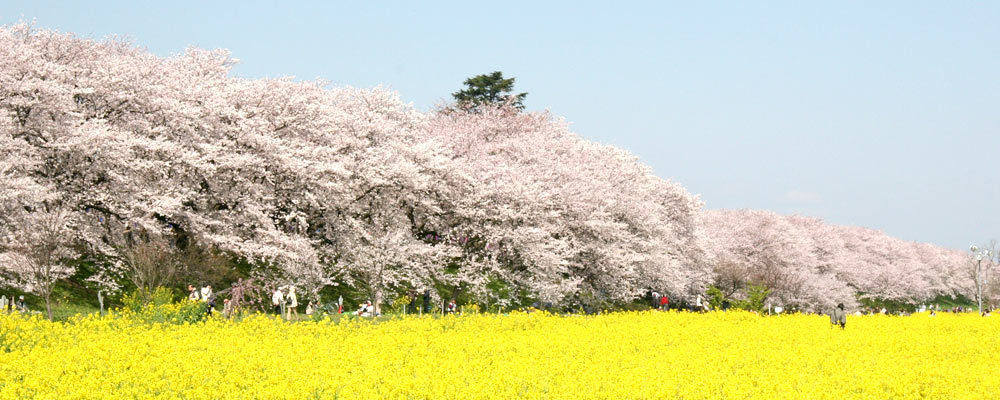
x=68, y=299
x=62, y=312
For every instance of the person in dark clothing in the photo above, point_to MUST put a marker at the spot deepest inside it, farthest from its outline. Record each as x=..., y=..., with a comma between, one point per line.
x=838, y=316
x=412, y=307
x=210, y=306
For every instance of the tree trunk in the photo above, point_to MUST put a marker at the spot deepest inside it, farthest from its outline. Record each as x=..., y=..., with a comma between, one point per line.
x=377, y=293
x=979, y=286
x=48, y=304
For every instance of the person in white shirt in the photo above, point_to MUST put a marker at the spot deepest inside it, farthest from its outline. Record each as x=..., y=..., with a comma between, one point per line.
x=293, y=303
x=366, y=309
x=206, y=292
x=278, y=300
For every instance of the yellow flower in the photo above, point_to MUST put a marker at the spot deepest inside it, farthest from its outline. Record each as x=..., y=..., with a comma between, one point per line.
x=650, y=355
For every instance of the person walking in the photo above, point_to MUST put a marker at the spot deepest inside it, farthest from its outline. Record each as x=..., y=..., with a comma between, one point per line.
x=293, y=303
x=278, y=300
x=210, y=306
x=664, y=303
x=3, y=303
x=206, y=293
x=192, y=293
x=838, y=317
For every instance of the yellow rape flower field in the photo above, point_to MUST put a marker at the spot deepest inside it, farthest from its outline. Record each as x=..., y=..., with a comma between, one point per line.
x=648, y=355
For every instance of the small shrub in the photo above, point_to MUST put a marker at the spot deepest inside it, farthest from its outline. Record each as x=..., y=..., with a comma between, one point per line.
x=715, y=297
x=159, y=307
x=756, y=299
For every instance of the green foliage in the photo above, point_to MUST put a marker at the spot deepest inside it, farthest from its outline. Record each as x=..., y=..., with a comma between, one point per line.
x=501, y=291
x=319, y=315
x=946, y=302
x=352, y=296
x=77, y=289
x=498, y=288
x=894, y=306
x=756, y=299
x=715, y=297
x=587, y=302
x=491, y=89
x=68, y=299
x=64, y=311
x=159, y=307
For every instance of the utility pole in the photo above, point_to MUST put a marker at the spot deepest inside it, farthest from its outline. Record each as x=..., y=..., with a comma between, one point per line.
x=979, y=256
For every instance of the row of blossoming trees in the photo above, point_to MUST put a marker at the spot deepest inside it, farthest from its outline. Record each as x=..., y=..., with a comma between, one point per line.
x=114, y=155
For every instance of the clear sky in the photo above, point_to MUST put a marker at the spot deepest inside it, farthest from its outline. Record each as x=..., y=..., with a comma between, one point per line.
x=881, y=114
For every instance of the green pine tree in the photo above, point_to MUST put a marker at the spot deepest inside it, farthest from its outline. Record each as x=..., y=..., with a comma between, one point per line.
x=491, y=89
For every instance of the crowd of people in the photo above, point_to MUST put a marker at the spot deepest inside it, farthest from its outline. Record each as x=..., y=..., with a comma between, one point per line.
x=285, y=303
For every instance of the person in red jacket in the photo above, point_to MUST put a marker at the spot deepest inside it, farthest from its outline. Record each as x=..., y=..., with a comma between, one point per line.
x=664, y=303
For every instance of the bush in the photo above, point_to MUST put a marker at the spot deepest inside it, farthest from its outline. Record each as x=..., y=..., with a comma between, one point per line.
x=756, y=299
x=715, y=297
x=159, y=307
x=138, y=299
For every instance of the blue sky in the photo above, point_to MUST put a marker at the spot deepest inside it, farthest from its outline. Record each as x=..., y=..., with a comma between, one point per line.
x=880, y=114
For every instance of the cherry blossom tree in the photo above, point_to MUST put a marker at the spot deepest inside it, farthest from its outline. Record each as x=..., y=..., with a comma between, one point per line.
x=322, y=186
x=35, y=253
x=558, y=215
x=815, y=265
x=763, y=248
